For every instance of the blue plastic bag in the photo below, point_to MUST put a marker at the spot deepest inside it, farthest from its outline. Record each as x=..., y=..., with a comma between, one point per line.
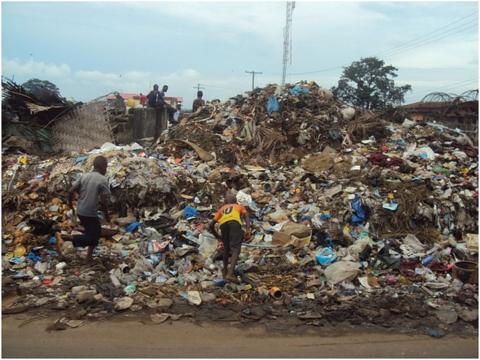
x=190, y=212
x=33, y=257
x=326, y=256
x=52, y=240
x=325, y=216
x=132, y=227
x=272, y=104
x=358, y=215
x=298, y=90
x=80, y=159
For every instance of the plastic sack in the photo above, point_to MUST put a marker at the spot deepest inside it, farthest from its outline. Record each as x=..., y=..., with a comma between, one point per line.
x=342, y=271
x=278, y=216
x=272, y=104
x=208, y=245
x=33, y=257
x=326, y=256
x=358, y=215
x=348, y=113
x=425, y=152
x=132, y=227
x=358, y=247
x=190, y=212
x=298, y=90
x=243, y=198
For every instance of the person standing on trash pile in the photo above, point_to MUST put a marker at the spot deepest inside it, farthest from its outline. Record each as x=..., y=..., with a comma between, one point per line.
x=176, y=116
x=229, y=217
x=92, y=188
x=143, y=100
x=153, y=97
x=198, y=102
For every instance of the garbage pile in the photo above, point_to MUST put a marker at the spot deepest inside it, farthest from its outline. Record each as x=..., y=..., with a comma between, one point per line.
x=269, y=125
x=375, y=225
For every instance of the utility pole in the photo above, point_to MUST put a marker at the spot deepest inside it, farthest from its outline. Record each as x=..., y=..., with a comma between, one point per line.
x=253, y=76
x=287, y=39
x=199, y=86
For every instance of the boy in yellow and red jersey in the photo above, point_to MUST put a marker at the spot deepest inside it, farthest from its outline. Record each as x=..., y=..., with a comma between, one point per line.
x=229, y=217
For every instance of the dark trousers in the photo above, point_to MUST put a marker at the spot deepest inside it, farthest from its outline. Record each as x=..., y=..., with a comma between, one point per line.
x=92, y=232
x=232, y=236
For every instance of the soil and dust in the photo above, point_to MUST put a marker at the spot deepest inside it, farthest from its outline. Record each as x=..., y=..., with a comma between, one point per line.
x=132, y=336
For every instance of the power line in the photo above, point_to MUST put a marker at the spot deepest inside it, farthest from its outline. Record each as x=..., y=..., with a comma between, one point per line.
x=471, y=82
x=253, y=72
x=429, y=34
x=415, y=43
x=432, y=40
x=317, y=71
x=456, y=83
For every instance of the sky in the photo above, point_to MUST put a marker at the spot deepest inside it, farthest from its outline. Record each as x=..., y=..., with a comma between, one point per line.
x=89, y=49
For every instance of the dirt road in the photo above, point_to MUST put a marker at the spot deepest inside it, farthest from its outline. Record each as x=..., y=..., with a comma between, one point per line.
x=22, y=337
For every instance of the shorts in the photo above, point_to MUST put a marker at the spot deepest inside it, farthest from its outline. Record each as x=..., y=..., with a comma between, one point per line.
x=232, y=235
x=92, y=233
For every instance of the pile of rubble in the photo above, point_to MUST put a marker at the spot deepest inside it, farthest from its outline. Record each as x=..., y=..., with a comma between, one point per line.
x=269, y=125
x=354, y=219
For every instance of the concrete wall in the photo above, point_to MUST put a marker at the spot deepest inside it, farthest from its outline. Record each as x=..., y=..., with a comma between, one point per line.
x=147, y=123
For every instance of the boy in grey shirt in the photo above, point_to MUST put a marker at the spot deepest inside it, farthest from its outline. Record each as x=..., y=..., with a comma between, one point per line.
x=91, y=187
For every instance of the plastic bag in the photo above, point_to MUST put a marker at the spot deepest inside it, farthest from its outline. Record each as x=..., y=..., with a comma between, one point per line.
x=342, y=271
x=358, y=215
x=208, y=245
x=326, y=256
x=272, y=104
x=190, y=212
x=425, y=152
x=243, y=198
x=132, y=227
x=298, y=90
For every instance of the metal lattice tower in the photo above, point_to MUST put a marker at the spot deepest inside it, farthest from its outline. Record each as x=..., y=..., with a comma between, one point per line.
x=287, y=39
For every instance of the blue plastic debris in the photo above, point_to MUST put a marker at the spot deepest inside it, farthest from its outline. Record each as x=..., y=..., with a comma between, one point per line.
x=298, y=90
x=130, y=289
x=17, y=260
x=359, y=215
x=326, y=256
x=391, y=206
x=80, y=159
x=132, y=227
x=33, y=257
x=272, y=104
x=324, y=216
x=219, y=282
x=190, y=212
x=52, y=241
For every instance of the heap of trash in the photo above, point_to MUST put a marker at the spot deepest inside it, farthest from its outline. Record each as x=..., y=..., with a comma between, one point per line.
x=354, y=219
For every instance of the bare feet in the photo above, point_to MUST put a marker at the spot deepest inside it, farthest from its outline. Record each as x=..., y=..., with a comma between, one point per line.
x=58, y=244
x=231, y=278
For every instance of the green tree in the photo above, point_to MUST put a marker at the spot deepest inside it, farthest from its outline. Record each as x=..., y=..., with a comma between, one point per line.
x=369, y=84
x=44, y=91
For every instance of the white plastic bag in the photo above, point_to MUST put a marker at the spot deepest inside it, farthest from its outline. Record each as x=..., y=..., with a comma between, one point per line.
x=342, y=271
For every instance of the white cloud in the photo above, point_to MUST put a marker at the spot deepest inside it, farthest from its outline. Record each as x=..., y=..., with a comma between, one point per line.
x=89, y=84
x=95, y=75
x=34, y=69
x=232, y=20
